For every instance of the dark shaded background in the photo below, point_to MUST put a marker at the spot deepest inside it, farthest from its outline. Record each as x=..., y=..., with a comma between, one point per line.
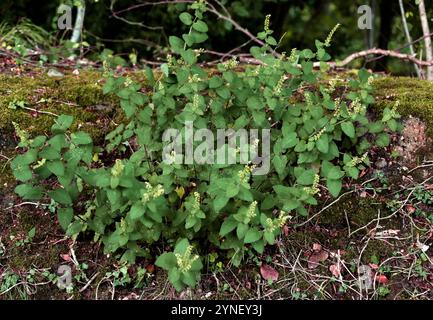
x=302, y=21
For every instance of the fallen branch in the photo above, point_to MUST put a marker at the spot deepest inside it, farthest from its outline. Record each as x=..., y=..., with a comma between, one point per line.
x=384, y=53
x=227, y=17
x=89, y=282
x=246, y=58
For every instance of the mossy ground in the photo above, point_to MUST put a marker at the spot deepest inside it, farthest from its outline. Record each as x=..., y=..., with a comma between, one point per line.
x=81, y=96
x=415, y=97
x=72, y=95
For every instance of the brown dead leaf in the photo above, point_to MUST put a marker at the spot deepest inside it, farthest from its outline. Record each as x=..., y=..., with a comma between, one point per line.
x=335, y=270
x=316, y=258
x=382, y=279
x=410, y=209
x=373, y=266
x=65, y=257
x=150, y=268
x=268, y=273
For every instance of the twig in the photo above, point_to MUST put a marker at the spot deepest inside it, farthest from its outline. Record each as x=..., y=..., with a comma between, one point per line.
x=89, y=282
x=236, y=25
x=73, y=257
x=396, y=211
x=40, y=111
x=347, y=221
x=156, y=3
x=325, y=208
x=36, y=204
x=333, y=202
x=420, y=167
x=134, y=23
x=4, y=157
x=210, y=8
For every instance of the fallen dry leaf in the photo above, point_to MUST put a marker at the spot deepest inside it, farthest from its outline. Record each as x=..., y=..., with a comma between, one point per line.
x=150, y=268
x=316, y=258
x=373, y=266
x=65, y=257
x=382, y=279
x=410, y=209
x=268, y=273
x=335, y=270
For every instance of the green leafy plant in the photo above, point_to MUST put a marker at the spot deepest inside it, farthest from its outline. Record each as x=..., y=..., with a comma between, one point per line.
x=182, y=265
x=8, y=280
x=319, y=137
x=24, y=37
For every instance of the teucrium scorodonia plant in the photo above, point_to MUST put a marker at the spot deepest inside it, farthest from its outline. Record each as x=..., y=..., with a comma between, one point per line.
x=318, y=137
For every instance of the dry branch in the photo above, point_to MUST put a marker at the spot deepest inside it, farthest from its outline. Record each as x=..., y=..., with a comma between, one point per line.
x=384, y=53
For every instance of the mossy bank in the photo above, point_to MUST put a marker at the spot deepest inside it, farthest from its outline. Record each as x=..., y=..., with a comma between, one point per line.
x=415, y=97
x=81, y=96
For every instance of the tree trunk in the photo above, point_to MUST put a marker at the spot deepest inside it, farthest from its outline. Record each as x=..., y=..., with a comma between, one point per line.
x=408, y=37
x=427, y=40
x=387, y=12
x=79, y=21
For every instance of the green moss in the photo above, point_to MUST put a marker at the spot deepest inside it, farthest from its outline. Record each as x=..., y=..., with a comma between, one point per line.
x=35, y=253
x=377, y=249
x=72, y=95
x=415, y=97
x=306, y=238
x=359, y=211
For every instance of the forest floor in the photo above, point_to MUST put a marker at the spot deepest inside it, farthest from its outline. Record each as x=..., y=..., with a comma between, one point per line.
x=383, y=221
